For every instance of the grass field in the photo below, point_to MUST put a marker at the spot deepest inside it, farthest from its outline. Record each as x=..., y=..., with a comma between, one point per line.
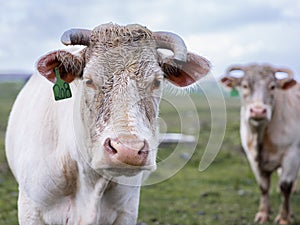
x=224, y=194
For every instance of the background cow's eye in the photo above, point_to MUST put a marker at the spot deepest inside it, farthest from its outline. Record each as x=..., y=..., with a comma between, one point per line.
x=272, y=86
x=245, y=86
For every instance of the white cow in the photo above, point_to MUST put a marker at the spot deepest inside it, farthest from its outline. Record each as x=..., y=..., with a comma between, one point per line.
x=269, y=129
x=68, y=155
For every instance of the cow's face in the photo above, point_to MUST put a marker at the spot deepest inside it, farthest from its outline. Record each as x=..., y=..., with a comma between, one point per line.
x=121, y=80
x=122, y=87
x=258, y=86
x=258, y=89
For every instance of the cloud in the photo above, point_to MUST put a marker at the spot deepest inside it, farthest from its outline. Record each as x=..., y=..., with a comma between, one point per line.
x=275, y=43
x=224, y=31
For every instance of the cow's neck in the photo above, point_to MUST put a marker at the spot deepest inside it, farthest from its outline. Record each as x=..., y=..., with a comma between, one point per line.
x=91, y=181
x=254, y=134
x=258, y=132
x=91, y=187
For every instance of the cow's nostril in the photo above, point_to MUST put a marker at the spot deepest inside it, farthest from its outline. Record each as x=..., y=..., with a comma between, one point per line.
x=144, y=150
x=108, y=147
x=264, y=111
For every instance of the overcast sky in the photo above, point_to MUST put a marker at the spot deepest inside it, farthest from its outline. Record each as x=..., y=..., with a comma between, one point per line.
x=224, y=31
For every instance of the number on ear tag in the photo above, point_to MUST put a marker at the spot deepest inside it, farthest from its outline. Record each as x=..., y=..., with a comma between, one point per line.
x=234, y=92
x=61, y=88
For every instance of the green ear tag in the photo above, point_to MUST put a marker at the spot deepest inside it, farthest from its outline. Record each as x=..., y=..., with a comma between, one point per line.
x=61, y=89
x=234, y=92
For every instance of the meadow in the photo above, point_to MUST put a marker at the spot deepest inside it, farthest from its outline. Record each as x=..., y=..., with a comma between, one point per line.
x=224, y=194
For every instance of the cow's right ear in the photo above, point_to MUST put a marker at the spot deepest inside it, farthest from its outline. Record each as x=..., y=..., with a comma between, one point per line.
x=286, y=83
x=70, y=66
x=231, y=82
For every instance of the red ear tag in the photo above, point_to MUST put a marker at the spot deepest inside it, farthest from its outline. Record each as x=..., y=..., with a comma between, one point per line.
x=61, y=88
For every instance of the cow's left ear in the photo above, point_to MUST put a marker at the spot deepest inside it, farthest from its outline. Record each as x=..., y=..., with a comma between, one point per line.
x=70, y=66
x=286, y=83
x=182, y=74
x=231, y=82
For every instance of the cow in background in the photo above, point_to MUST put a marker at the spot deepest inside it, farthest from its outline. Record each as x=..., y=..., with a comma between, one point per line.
x=68, y=156
x=269, y=129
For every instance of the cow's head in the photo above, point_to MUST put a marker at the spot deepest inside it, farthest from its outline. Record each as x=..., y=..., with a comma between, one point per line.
x=258, y=85
x=121, y=76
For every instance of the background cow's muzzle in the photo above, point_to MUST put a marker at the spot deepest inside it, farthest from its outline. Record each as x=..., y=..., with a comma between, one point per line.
x=259, y=112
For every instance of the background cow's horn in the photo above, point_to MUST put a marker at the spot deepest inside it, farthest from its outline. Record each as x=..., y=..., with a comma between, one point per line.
x=76, y=37
x=285, y=70
x=172, y=42
x=234, y=67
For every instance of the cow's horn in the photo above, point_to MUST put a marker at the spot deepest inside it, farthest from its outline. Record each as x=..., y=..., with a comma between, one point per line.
x=235, y=67
x=76, y=37
x=285, y=70
x=173, y=42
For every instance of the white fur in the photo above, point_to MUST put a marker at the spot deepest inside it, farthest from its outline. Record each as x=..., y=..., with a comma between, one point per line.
x=62, y=153
x=31, y=148
x=280, y=145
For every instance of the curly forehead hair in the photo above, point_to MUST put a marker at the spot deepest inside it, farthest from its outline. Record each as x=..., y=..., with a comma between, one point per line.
x=113, y=35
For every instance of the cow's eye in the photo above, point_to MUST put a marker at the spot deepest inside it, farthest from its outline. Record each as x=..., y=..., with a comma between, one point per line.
x=90, y=83
x=156, y=83
x=272, y=86
x=245, y=86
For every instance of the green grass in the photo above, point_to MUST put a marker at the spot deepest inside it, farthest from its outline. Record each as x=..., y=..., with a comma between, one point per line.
x=224, y=194
x=8, y=186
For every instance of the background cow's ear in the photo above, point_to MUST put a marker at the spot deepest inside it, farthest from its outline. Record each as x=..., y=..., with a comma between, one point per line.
x=70, y=66
x=230, y=82
x=182, y=74
x=286, y=83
